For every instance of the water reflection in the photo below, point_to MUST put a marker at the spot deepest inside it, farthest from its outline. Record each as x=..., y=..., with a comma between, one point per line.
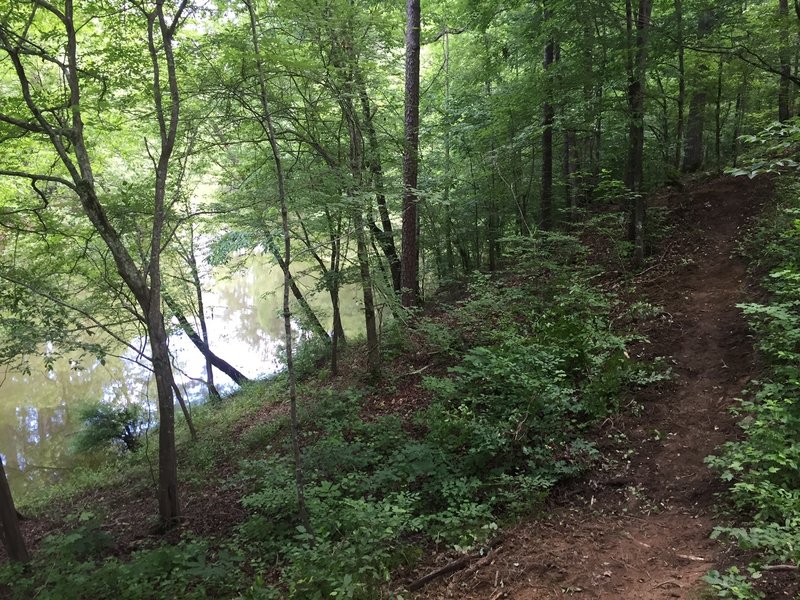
x=38, y=412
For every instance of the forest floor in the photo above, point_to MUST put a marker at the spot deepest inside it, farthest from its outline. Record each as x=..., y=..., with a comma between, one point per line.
x=636, y=527
x=639, y=527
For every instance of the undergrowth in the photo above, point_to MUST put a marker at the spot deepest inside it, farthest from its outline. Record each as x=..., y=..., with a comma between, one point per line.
x=763, y=468
x=526, y=364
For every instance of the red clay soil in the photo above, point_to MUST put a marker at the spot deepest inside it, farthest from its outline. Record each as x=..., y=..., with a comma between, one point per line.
x=639, y=529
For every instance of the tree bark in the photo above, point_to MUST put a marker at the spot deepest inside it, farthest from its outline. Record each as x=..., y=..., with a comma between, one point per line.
x=636, y=91
x=693, y=156
x=10, y=532
x=237, y=376
x=681, y=83
x=385, y=233
x=548, y=116
x=286, y=262
x=784, y=89
x=409, y=296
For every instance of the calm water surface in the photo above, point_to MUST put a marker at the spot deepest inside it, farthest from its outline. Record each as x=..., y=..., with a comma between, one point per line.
x=38, y=412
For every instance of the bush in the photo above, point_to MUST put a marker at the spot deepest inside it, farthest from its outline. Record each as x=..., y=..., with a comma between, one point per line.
x=106, y=424
x=763, y=468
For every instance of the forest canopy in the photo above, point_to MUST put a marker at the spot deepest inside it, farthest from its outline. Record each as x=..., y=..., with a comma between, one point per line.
x=404, y=148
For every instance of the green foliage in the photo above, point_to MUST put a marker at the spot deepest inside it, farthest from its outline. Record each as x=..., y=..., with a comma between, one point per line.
x=732, y=584
x=763, y=468
x=69, y=567
x=772, y=149
x=106, y=424
x=535, y=363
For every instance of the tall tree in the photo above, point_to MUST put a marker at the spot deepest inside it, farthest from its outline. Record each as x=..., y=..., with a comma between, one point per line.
x=267, y=123
x=694, y=151
x=410, y=262
x=10, y=532
x=785, y=54
x=548, y=118
x=67, y=135
x=636, y=110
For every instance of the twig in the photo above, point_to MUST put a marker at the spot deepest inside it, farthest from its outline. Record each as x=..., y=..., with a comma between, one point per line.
x=454, y=566
x=663, y=583
x=691, y=557
x=780, y=568
x=417, y=371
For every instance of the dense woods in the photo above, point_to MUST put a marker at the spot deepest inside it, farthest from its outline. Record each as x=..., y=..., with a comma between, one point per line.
x=479, y=170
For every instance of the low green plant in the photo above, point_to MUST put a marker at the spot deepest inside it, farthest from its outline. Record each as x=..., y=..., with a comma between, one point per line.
x=763, y=467
x=733, y=584
x=72, y=566
x=106, y=424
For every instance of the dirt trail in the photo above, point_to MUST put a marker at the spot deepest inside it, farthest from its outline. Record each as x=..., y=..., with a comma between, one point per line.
x=641, y=530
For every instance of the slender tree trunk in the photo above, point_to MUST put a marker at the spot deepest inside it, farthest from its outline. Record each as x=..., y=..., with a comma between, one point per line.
x=694, y=152
x=568, y=172
x=213, y=392
x=338, y=339
x=286, y=264
x=237, y=376
x=681, y=83
x=785, y=86
x=548, y=117
x=10, y=532
x=373, y=343
x=448, y=217
x=410, y=263
x=636, y=90
x=385, y=233
x=308, y=313
x=185, y=409
x=738, y=119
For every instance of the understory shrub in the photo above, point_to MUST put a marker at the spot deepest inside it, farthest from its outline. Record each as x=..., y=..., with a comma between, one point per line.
x=763, y=468
x=105, y=424
x=75, y=566
x=534, y=361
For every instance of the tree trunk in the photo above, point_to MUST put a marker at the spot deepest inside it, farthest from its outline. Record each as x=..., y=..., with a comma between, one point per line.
x=635, y=167
x=385, y=233
x=237, y=376
x=287, y=275
x=168, y=505
x=410, y=264
x=718, y=117
x=308, y=312
x=681, y=83
x=448, y=217
x=784, y=88
x=738, y=119
x=213, y=392
x=693, y=156
x=694, y=152
x=373, y=344
x=10, y=532
x=548, y=116
x=186, y=414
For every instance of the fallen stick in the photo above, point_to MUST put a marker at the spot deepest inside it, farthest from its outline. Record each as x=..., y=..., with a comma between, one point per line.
x=454, y=566
x=779, y=568
x=691, y=557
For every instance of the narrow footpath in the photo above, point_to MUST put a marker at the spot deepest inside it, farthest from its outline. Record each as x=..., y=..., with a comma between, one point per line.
x=639, y=529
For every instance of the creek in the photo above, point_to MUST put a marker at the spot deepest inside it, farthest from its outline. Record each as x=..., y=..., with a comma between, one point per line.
x=39, y=410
